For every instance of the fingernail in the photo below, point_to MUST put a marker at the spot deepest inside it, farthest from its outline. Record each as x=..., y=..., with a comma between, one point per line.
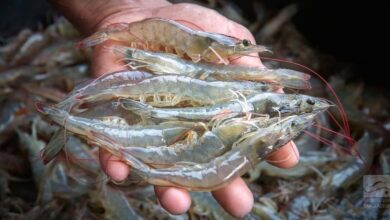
x=286, y=157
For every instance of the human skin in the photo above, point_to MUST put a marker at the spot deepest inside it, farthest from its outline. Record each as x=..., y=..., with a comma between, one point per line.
x=91, y=15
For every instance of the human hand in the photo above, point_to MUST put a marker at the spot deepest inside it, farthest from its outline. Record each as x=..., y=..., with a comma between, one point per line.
x=236, y=198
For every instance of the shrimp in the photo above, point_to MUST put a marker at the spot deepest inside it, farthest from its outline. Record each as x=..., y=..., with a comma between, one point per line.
x=9, y=112
x=164, y=134
x=309, y=162
x=162, y=63
x=145, y=202
x=154, y=33
x=273, y=104
x=60, y=54
x=152, y=210
x=204, y=204
x=246, y=153
x=114, y=203
x=354, y=169
x=62, y=29
x=170, y=90
x=10, y=76
x=33, y=45
x=8, y=51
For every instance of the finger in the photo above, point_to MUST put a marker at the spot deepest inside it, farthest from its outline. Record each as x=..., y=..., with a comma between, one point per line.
x=105, y=61
x=236, y=198
x=174, y=200
x=113, y=166
x=286, y=157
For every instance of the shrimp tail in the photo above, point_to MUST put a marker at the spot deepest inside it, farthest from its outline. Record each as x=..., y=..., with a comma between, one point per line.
x=293, y=79
x=139, y=108
x=54, y=147
x=57, y=142
x=292, y=74
x=95, y=39
x=101, y=36
x=294, y=83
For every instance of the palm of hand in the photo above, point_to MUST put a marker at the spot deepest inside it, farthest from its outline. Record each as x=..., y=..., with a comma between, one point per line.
x=236, y=197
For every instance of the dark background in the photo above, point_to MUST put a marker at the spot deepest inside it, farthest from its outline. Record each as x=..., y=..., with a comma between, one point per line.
x=350, y=31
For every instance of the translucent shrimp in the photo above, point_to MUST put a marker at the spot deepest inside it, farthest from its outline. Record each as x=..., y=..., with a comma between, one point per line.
x=158, y=135
x=168, y=90
x=352, y=169
x=163, y=63
x=153, y=210
x=114, y=203
x=273, y=104
x=10, y=76
x=220, y=171
x=204, y=204
x=32, y=145
x=156, y=33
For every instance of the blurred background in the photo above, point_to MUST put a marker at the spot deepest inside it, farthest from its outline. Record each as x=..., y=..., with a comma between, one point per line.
x=345, y=42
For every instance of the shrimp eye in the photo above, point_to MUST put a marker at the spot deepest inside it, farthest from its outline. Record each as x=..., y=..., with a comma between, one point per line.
x=246, y=42
x=310, y=101
x=293, y=124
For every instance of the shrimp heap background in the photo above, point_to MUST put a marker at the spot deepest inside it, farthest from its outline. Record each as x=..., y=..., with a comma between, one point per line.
x=181, y=114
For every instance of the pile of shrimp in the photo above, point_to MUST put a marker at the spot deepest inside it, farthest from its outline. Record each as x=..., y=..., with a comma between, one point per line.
x=182, y=114
x=202, y=121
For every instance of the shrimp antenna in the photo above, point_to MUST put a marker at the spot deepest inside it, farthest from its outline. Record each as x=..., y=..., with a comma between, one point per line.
x=339, y=104
x=183, y=22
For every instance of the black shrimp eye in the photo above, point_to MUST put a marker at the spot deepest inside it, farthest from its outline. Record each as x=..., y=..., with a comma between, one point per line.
x=310, y=101
x=246, y=42
x=293, y=124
